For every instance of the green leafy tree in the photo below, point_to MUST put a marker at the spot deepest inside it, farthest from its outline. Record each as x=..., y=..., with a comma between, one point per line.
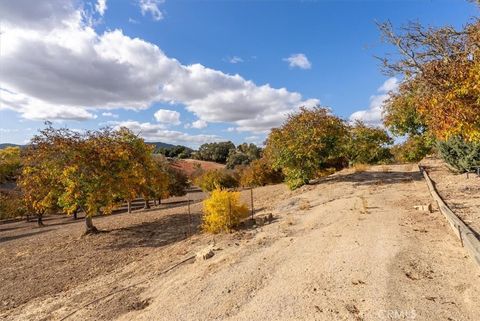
x=414, y=149
x=306, y=143
x=215, y=152
x=368, y=145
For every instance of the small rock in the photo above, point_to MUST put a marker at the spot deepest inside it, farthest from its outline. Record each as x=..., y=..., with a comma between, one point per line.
x=205, y=254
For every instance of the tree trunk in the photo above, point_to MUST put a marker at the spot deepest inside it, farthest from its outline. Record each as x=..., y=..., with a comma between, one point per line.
x=147, y=204
x=75, y=215
x=90, y=228
x=129, y=206
x=154, y=202
x=28, y=218
x=159, y=201
x=40, y=220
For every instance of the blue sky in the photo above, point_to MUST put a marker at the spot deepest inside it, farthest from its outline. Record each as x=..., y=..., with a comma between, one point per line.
x=188, y=72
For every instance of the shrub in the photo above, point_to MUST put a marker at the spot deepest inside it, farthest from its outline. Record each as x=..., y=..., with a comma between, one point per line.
x=359, y=167
x=260, y=173
x=11, y=205
x=459, y=153
x=216, y=178
x=223, y=211
x=10, y=164
x=414, y=149
x=368, y=145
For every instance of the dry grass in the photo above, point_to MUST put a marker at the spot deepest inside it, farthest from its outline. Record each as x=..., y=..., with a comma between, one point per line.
x=305, y=205
x=364, y=205
x=385, y=168
x=358, y=168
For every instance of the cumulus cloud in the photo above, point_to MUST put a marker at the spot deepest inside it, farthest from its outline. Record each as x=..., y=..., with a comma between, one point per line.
x=157, y=132
x=373, y=115
x=166, y=116
x=151, y=7
x=37, y=109
x=298, y=61
x=199, y=124
x=77, y=70
x=101, y=7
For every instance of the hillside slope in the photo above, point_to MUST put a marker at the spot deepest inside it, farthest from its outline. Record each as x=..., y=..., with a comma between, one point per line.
x=349, y=248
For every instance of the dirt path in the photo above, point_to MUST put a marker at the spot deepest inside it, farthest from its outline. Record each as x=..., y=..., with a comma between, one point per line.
x=350, y=248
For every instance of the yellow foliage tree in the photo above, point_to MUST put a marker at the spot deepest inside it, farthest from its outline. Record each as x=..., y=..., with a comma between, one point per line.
x=223, y=211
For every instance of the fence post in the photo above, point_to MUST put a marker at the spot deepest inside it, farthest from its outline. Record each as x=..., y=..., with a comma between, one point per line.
x=189, y=217
x=251, y=201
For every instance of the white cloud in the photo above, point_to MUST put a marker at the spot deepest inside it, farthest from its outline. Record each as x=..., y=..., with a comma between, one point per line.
x=77, y=70
x=199, y=124
x=391, y=84
x=298, y=61
x=234, y=59
x=109, y=114
x=166, y=116
x=131, y=20
x=101, y=6
x=373, y=115
x=36, y=109
x=151, y=6
x=157, y=132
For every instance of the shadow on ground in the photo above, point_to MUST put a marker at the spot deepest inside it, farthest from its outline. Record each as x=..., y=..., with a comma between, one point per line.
x=161, y=232
x=372, y=178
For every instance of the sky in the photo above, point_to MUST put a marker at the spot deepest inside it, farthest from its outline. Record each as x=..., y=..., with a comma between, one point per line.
x=190, y=71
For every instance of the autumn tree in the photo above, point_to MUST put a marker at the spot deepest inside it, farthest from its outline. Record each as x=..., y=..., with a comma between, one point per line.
x=43, y=164
x=440, y=69
x=367, y=144
x=306, y=143
x=216, y=178
x=260, y=173
x=10, y=164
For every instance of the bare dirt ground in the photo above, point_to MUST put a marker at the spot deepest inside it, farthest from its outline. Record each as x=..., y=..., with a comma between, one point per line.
x=459, y=192
x=349, y=248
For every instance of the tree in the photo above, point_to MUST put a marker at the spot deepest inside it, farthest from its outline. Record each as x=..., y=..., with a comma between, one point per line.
x=441, y=71
x=244, y=154
x=260, y=173
x=175, y=152
x=216, y=178
x=414, y=149
x=368, y=145
x=43, y=164
x=10, y=164
x=306, y=143
x=215, y=152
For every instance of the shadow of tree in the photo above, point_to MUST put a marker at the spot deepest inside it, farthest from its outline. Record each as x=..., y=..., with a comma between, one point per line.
x=4, y=239
x=372, y=178
x=157, y=233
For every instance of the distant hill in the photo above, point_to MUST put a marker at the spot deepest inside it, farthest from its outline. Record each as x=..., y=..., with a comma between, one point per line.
x=157, y=145
x=161, y=145
x=5, y=145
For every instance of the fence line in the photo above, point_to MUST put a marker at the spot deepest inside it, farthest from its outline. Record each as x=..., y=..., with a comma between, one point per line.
x=462, y=231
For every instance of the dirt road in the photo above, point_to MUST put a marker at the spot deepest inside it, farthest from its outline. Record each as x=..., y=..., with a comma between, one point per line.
x=349, y=248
